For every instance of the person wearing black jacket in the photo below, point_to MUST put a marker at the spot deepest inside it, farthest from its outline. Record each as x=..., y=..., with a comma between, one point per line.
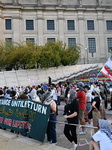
x=96, y=108
x=71, y=114
x=66, y=93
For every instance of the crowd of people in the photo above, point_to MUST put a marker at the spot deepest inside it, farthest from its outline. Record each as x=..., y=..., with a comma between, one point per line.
x=82, y=103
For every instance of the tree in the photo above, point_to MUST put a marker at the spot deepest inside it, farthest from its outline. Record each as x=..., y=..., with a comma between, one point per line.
x=28, y=55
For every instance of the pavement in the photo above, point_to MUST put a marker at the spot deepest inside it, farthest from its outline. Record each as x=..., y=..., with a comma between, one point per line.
x=12, y=141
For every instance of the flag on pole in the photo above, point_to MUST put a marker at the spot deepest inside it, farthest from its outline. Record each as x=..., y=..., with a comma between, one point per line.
x=107, y=68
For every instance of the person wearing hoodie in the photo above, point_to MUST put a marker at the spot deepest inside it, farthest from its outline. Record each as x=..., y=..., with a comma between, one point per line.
x=71, y=114
x=47, y=98
x=103, y=136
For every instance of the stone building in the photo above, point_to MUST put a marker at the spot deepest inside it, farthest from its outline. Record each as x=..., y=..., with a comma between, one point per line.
x=85, y=22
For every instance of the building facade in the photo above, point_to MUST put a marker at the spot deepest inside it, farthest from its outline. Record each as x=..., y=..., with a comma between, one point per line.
x=84, y=22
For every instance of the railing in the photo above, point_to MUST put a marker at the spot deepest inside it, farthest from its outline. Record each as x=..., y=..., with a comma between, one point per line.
x=75, y=74
x=79, y=126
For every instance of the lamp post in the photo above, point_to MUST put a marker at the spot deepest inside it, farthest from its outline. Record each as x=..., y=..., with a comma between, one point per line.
x=86, y=49
x=83, y=59
x=110, y=50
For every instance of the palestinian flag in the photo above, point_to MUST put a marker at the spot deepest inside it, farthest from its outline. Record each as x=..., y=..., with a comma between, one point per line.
x=107, y=68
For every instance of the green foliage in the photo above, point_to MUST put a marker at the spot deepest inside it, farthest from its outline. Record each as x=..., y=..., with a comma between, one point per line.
x=28, y=55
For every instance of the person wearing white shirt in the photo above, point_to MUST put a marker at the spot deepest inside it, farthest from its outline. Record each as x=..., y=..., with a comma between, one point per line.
x=54, y=93
x=103, y=136
x=33, y=93
x=88, y=102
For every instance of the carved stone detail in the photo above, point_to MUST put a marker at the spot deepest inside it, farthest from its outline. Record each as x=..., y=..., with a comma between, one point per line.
x=99, y=2
x=39, y=2
x=15, y=1
x=80, y=2
x=59, y=2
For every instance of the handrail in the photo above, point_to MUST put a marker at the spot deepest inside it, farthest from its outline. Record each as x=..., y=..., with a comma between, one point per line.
x=78, y=125
x=76, y=73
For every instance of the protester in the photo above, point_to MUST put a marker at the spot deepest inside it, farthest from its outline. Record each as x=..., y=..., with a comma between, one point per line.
x=33, y=92
x=96, y=107
x=88, y=102
x=7, y=94
x=23, y=96
x=59, y=91
x=66, y=92
x=39, y=91
x=74, y=110
x=110, y=89
x=51, y=128
x=49, y=81
x=103, y=136
x=81, y=96
x=1, y=93
x=103, y=99
x=71, y=114
x=54, y=93
x=13, y=93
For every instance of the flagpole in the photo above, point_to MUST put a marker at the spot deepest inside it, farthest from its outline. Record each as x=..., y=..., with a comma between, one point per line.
x=98, y=75
x=111, y=56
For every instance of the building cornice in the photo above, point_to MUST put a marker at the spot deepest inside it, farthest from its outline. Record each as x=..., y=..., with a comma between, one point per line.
x=56, y=7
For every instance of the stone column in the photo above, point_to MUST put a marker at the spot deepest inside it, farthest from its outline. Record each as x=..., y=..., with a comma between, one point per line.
x=81, y=36
x=101, y=44
x=2, y=26
x=61, y=25
x=16, y=27
x=40, y=27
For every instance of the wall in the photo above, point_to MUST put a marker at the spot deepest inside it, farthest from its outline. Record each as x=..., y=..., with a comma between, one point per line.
x=37, y=76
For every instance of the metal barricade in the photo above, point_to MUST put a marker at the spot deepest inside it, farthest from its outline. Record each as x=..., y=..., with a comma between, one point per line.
x=77, y=125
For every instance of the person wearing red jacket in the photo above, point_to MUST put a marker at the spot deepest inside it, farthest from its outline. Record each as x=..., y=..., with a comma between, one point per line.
x=81, y=97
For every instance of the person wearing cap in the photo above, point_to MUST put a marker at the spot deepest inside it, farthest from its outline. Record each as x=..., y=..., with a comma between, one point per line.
x=81, y=96
x=46, y=87
x=96, y=107
x=47, y=98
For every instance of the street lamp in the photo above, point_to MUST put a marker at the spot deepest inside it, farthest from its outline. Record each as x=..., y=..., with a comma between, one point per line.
x=110, y=50
x=86, y=49
x=83, y=58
